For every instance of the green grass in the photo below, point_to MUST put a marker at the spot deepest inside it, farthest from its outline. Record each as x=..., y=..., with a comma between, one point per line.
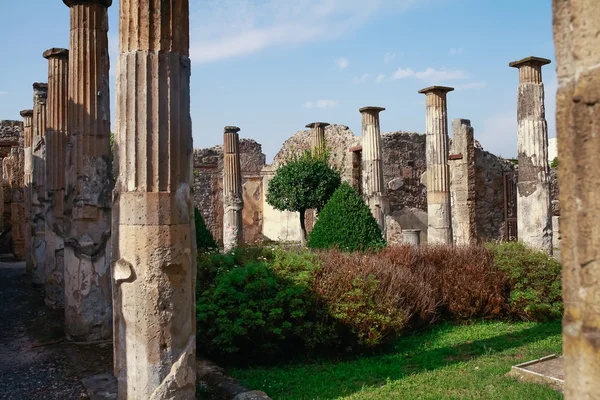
x=446, y=362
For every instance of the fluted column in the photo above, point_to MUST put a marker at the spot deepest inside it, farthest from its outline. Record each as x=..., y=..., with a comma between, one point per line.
x=38, y=183
x=576, y=42
x=439, y=218
x=462, y=183
x=317, y=135
x=56, y=148
x=16, y=181
x=372, y=165
x=233, y=203
x=534, y=208
x=87, y=283
x=155, y=247
x=27, y=171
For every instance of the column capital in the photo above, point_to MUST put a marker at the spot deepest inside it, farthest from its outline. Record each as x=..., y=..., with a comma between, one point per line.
x=56, y=53
x=40, y=86
x=231, y=129
x=104, y=3
x=313, y=125
x=530, y=61
x=436, y=90
x=26, y=113
x=371, y=109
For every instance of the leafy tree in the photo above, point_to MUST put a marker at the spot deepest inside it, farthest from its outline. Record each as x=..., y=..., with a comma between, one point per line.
x=304, y=182
x=346, y=222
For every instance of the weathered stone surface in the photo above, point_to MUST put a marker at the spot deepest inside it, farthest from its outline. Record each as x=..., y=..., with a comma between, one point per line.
x=576, y=41
x=317, y=135
x=233, y=202
x=533, y=188
x=13, y=131
x=87, y=214
x=13, y=175
x=438, y=173
x=154, y=248
x=462, y=183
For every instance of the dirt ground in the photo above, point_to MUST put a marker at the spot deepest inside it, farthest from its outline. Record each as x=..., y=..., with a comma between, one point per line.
x=36, y=362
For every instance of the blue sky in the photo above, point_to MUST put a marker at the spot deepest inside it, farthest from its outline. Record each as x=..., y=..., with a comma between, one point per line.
x=272, y=66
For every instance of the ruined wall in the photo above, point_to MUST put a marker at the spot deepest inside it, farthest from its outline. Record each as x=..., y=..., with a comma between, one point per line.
x=11, y=134
x=11, y=131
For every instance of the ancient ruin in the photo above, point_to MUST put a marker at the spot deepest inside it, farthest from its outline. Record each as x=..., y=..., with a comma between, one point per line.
x=87, y=221
x=27, y=185
x=438, y=174
x=577, y=40
x=12, y=167
x=373, y=188
x=56, y=149
x=462, y=183
x=233, y=202
x=317, y=135
x=154, y=247
x=533, y=188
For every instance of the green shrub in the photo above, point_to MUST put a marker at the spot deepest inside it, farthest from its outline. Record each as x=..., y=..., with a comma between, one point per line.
x=535, y=281
x=346, y=222
x=554, y=163
x=204, y=239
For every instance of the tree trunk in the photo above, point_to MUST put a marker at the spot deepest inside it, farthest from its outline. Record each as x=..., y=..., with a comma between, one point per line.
x=303, y=227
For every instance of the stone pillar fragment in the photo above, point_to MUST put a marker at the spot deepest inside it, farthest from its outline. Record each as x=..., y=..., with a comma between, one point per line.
x=38, y=183
x=87, y=222
x=155, y=246
x=27, y=182
x=534, y=208
x=439, y=228
x=373, y=186
x=462, y=183
x=317, y=135
x=576, y=42
x=56, y=148
x=233, y=202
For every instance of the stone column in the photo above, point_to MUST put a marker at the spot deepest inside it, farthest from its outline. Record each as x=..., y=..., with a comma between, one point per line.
x=462, y=183
x=233, y=202
x=16, y=180
x=155, y=267
x=38, y=187
x=56, y=148
x=576, y=42
x=372, y=165
x=317, y=135
x=27, y=170
x=534, y=209
x=87, y=283
x=439, y=229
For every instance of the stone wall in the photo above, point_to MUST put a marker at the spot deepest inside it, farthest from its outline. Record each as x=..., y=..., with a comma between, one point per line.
x=11, y=131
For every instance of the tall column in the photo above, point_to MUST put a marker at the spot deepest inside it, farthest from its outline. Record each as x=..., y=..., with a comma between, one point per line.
x=534, y=209
x=372, y=165
x=576, y=42
x=17, y=202
x=56, y=149
x=462, y=183
x=317, y=135
x=27, y=170
x=38, y=180
x=155, y=267
x=233, y=202
x=439, y=218
x=87, y=283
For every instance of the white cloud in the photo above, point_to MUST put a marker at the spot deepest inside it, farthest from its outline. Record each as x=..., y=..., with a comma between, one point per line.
x=324, y=103
x=434, y=75
x=308, y=104
x=3, y=93
x=379, y=78
x=403, y=73
x=360, y=79
x=388, y=57
x=342, y=63
x=471, y=85
x=223, y=29
x=456, y=51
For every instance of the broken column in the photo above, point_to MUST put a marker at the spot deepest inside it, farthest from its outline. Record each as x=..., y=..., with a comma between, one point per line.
x=439, y=229
x=317, y=135
x=534, y=209
x=233, y=202
x=372, y=165
x=576, y=41
x=155, y=246
x=462, y=183
x=38, y=183
x=27, y=170
x=87, y=222
x=56, y=148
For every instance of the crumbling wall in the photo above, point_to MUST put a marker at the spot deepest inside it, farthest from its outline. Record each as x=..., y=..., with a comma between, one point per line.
x=11, y=131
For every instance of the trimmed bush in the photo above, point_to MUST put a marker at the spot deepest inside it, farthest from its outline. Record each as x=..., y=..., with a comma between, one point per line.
x=535, y=281
x=346, y=222
x=204, y=239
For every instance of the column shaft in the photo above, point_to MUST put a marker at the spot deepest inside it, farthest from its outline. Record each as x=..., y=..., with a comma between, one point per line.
x=27, y=181
x=233, y=202
x=577, y=40
x=87, y=296
x=317, y=135
x=154, y=248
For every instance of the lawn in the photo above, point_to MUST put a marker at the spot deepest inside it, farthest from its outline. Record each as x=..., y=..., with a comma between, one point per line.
x=445, y=362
